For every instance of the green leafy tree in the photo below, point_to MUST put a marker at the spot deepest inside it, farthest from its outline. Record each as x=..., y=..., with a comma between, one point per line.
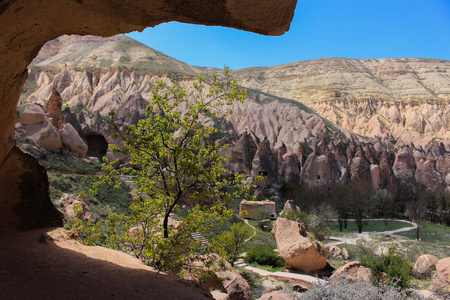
x=359, y=201
x=231, y=243
x=338, y=198
x=416, y=210
x=383, y=204
x=177, y=162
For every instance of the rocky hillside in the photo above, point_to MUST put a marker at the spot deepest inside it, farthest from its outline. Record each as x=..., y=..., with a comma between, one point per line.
x=278, y=138
x=407, y=98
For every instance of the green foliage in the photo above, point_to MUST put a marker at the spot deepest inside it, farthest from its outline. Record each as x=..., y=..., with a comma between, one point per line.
x=90, y=233
x=251, y=277
x=383, y=204
x=62, y=161
x=262, y=238
x=102, y=203
x=394, y=264
x=177, y=165
x=263, y=255
x=231, y=243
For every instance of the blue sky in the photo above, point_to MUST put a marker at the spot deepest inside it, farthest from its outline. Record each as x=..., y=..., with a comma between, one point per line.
x=321, y=28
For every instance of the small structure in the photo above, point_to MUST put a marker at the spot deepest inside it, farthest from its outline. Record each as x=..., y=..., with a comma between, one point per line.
x=247, y=208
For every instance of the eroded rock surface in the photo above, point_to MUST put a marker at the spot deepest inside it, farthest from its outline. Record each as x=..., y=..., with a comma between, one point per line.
x=351, y=272
x=297, y=251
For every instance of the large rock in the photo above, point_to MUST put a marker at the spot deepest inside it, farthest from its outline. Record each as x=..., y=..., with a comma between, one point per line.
x=297, y=251
x=425, y=264
x=335, y=251
x=275, y=294
x=352, y=271
x=236, y=286
x=53, y=108
x=67, y=202
x=441, y=280
x=35, y=125
x=25, y=193
x=72, y=140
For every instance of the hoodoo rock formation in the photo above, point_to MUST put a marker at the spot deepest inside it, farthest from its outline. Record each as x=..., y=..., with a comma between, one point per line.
x=279, y=139
x=26, y=26
x=407, y=98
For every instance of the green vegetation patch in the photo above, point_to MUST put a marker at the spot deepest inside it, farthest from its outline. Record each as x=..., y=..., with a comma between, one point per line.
x=105, y=201
x=262, y=238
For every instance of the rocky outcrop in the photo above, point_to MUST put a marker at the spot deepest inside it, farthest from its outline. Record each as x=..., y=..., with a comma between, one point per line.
x=265, y=164
x=235, y=285
x=406, y=98
x=67, y=202
x=441, y=280
x=35, y=124
x=25, y=196
x=53, y=108
x=297, y=251
x=351, y=272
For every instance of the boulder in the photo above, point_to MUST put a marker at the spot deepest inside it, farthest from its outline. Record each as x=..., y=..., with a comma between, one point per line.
x=297, y=251
x=425, y=264
x=67, y=203
x=335, y=251
x=35, y=125
x=275, y=294
x=352, y=271
x=32, y=114
x=72, y=140
x=218, y=295
x=236, y=286
x=345, y=254
x=441, y=280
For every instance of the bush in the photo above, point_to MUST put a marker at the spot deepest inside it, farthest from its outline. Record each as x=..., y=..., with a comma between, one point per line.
x=356, y=290
x=264, y=255
x=394, y=264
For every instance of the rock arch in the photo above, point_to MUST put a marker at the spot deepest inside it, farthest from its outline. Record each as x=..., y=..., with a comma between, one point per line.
x=27, y=25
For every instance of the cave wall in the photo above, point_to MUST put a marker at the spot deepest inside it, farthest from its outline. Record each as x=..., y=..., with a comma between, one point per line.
x=27, y=25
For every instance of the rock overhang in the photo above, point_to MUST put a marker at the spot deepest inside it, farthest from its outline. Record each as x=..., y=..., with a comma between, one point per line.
x=27, y=25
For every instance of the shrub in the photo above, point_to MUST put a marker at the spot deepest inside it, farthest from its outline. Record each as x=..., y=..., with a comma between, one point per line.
x=264, y=255
x=394, y=264
x=356, y=290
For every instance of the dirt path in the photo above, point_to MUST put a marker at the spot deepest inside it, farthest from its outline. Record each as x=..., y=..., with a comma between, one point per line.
x=366, y=235
x=254, y=230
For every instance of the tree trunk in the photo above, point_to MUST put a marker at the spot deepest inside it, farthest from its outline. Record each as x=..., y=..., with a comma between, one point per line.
x=417, y=231
x=340, y=224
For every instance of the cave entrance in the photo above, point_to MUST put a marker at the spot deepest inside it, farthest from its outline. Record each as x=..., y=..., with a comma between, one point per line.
x=97, y=146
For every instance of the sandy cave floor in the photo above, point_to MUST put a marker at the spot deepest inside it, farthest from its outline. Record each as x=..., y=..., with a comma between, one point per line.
x=62, y=268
